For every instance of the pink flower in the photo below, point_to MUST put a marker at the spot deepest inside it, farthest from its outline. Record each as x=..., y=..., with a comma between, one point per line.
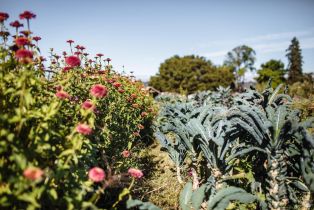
x=99, y=54
x=27, y=15
x=73, y=61
x=24, y=56
x=126, y=153
x=22, y=53
x=22, y=41
x=88, y=105
x=117, y=84
x=62, y=94
x=96, y=174
x=77, y=53
x=98, y=91
x=37, y=38
x=3, y=16
x=83, y=129
x=136, y=173
x=33, y=173
x=16, y=24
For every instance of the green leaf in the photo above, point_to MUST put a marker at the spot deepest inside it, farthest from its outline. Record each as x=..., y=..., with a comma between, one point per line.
x=223, y=197
x=30, y=199
x=300, y=185
x=142, y=205
x=185, y=196
x=198, y=197
x=67, y=152
x=53, y=194
x=129, y=145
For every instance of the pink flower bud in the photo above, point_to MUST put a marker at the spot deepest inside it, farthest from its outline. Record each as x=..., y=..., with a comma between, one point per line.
x=22, y=41
x=126, y=153
x=88, y=105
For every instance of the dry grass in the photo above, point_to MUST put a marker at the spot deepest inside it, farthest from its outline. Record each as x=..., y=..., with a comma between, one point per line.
x=160, y=186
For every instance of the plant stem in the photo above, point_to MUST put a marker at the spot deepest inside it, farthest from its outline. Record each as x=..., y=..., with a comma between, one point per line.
x=179, y=175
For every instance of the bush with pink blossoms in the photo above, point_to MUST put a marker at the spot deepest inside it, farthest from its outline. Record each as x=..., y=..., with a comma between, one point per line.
x=62, y=132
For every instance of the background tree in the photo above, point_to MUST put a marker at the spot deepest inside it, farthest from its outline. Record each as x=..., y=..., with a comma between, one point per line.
x=272, y=69
x=189, y=74
x=294, y=61
x=241, y=59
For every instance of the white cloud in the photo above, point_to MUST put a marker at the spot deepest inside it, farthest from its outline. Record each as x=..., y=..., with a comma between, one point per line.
x=305, y=43
x=278, y=36
x=276, y=42
x=264, y=44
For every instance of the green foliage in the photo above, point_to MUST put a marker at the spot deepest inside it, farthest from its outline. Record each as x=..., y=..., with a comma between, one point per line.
x=141, y=205
x=294, y=55
x=272, y=69
x=241, y=59
x=190, y=74
x=44, y=157
x=262, y=132
x=223, y=198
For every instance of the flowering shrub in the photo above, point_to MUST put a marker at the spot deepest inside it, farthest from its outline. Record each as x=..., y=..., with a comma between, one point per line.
x=61, y=138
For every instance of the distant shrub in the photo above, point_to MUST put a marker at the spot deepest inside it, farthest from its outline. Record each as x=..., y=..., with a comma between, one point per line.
x=302, y=89
x=189, y=74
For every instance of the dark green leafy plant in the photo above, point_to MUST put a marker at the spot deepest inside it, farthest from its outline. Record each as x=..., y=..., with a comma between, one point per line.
x=213, y=139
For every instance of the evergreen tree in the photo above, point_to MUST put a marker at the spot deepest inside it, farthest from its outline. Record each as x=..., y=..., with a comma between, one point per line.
x=294, y=61
x=189, y=74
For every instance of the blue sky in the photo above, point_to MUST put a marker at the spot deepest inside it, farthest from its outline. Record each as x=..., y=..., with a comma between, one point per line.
x=142, y=34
